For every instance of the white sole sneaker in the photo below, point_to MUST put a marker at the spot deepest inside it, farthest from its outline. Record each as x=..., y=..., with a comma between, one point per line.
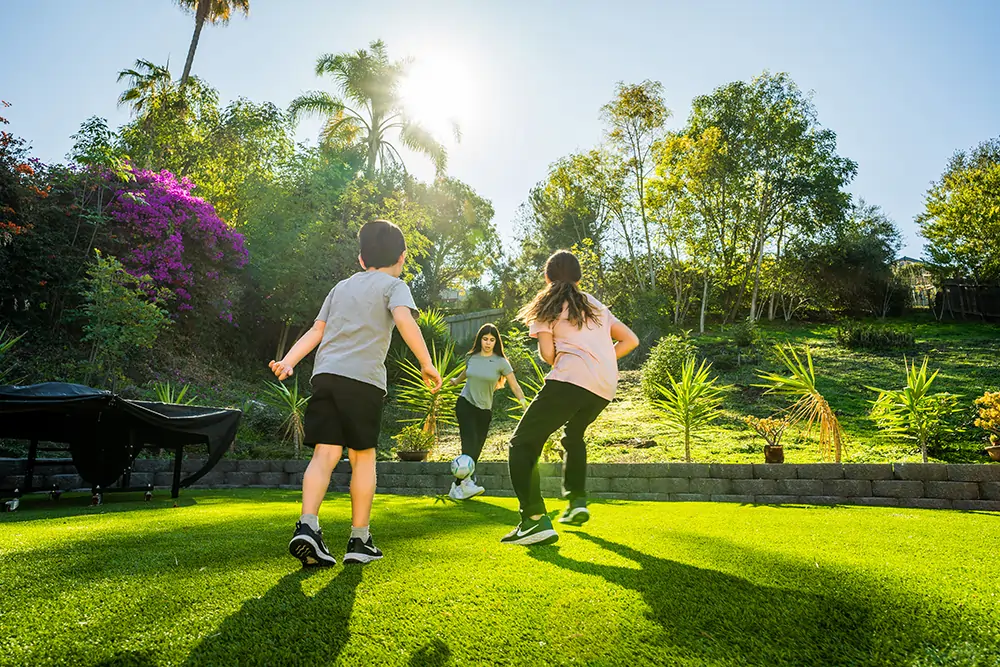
x=459, y=492
x=576, y=517
x=360, y=558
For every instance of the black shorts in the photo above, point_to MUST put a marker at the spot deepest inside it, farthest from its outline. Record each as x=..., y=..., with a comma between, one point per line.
x=343, y=411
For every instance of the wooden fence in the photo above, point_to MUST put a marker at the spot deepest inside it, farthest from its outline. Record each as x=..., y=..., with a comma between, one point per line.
x=963, y=301
x=463, y=327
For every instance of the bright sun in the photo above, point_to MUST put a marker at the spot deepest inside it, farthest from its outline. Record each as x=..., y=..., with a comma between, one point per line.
x=438, y=94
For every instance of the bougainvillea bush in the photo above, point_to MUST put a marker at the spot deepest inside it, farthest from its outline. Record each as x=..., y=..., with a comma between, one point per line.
x=164, y=231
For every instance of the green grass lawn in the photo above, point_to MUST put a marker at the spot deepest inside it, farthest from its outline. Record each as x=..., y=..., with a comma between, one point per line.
x=210, y=583
x=967, y=354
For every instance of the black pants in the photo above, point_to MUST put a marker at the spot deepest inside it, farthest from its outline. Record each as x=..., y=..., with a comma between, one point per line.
x=473, y=426
x=557, y=404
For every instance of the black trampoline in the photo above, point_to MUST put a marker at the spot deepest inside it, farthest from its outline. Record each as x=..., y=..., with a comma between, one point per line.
x=104, y=432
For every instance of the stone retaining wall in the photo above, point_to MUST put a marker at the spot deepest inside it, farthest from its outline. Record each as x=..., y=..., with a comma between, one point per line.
x=932, y=485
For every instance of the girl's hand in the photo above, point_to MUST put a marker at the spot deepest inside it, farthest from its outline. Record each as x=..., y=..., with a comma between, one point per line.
x=281, y=369
x=453, y=380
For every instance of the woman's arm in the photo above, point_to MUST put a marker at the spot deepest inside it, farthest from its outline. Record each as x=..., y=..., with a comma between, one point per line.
x=627, y=340
x=460, y=379
x=547, y=347
x=516, y=388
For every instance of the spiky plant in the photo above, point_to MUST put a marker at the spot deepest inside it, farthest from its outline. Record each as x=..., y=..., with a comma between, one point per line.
x=168, y=393
x=292, y=406
x=808, y=404
x=690, y=403
x=433, y=408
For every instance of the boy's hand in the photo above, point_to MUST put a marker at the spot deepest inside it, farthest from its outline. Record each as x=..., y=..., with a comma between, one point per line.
x=431, y=378
x=281, y=369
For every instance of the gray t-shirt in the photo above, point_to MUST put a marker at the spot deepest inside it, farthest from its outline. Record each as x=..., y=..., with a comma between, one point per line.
x=359, y=324
x=481, y=375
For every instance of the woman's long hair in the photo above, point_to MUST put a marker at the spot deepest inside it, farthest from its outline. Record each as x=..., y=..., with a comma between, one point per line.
x=486, y=330
x=563, y=273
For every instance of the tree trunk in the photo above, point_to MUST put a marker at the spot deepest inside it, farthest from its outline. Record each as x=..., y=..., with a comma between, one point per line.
x=756, y=276
x=201, y=13
x=687, y=444
x=704, y=303
x=279, y=353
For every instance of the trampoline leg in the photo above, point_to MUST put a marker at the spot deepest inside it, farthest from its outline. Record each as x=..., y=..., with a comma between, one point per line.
x=175, y=490
x=29, y=473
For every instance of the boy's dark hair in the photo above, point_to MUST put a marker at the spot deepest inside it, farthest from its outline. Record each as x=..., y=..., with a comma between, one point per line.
x=382, y=243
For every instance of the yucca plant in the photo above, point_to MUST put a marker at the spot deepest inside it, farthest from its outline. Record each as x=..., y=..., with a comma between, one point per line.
x=433, y=408
x=691, y=402
x=168, y=393
x=6, y=343
x=913, y=412
x=292, y=406
x=531, y=387
x=809, y=405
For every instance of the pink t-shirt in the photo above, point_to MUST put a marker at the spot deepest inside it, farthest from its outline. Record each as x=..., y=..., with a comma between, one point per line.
x=585, y=356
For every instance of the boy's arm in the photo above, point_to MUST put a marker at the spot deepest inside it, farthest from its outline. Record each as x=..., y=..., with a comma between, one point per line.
x=410, y=331
x=627, y=340
x=302, y=347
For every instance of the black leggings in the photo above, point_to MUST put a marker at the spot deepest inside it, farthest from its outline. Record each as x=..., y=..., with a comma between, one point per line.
x=557, y=404
x=473, y=426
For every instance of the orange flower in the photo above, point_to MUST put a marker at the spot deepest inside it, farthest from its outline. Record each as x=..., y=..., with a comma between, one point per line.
x=24, y=168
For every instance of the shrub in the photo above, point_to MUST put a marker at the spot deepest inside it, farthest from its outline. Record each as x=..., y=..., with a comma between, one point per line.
x=414, y=438
x=436, y=335
x=857, y=336
x=913, y=412
x=292, y=406
x=665, y=359
x=769, y=428
x=6, y=343
x=989, y=415
x=745, y=333
x=433, y=408
x=689, y=403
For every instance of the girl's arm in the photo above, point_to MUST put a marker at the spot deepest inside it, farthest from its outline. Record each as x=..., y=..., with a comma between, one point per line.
x=302, y=347
x=547, y=346
x=627, y=340
x=516, y=388
x=460, y=379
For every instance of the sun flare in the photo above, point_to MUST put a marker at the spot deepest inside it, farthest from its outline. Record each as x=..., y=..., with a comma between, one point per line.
x=439, y=94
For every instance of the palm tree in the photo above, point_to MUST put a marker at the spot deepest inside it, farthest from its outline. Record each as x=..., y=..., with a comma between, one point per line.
x=146, y=82
x=369, y=81
x=214, y=11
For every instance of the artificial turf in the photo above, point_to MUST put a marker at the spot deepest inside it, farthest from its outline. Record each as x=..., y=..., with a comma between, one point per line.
x=210, y=582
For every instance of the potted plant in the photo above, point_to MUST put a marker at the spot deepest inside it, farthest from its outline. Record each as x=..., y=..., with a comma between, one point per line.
x=989, y=421
x=413, y=443
x=771, y=430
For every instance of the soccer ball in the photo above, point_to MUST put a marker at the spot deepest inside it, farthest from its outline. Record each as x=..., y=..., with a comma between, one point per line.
x=463, y=466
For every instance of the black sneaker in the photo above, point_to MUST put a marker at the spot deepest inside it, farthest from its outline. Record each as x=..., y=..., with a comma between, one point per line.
x=576, y=514
x=532, y=532
x=307, y=545
x=361, y=552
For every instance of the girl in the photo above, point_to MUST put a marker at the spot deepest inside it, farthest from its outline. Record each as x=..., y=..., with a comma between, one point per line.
x=486, y=370
x=576, y=334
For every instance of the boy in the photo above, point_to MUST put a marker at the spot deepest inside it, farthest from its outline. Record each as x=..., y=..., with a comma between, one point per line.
x=353, y=331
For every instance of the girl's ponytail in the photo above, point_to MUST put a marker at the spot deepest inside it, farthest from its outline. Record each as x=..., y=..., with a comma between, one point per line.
x=563, y=273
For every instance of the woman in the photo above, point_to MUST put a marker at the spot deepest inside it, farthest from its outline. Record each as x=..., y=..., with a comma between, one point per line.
x=486, y=370
x=576, y=334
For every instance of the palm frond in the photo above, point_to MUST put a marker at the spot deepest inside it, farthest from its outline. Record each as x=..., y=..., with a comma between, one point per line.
x=417, y=139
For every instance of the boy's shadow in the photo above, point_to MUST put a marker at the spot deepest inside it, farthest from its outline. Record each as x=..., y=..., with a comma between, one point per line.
x=286, y=626
x=723, y=617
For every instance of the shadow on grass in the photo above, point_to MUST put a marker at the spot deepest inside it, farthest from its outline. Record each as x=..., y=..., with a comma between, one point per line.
x=434, y=654
x=285, y=626
x=810, y=618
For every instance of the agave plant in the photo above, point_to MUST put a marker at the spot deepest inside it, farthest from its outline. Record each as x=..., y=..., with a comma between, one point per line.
x=292, y=406
x=433, y=408
x=809, y=405
x=913, y=412
x=691, y=402
x=6, y=343
x=168, y=393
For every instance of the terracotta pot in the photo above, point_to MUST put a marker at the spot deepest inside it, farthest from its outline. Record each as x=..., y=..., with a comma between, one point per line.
x=774, y=454
x=994, y=452
x=420, y=455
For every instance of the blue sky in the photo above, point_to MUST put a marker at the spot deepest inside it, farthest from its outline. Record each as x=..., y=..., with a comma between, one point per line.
x=903, y=83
